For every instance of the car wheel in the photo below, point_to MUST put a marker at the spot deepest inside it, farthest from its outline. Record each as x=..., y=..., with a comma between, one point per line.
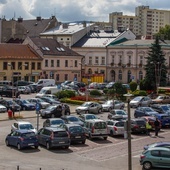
x=66, y=147
x=105, y=138
x=48, y=146
x=84, y=141
x=53, y=116
x=18, y=146
x=100, y=110
x=7, y=142
x=36, y=147
x=147, y=165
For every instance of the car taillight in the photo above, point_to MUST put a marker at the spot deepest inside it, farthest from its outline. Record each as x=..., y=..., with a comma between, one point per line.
x=92, y=130
x=136, y=126
x=115, y=128
x=21, y=138
x=142, y=156
x=52, y=135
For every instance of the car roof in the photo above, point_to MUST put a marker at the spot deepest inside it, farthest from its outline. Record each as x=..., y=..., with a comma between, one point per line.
x=95, y=120
x=24, y=131
x=22, y=122
x=54, y=119
x=54, y=128
x=159, y=148
x=72, y=125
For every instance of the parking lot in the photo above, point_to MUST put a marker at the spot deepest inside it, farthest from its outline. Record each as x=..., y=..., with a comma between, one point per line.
x=94, y=154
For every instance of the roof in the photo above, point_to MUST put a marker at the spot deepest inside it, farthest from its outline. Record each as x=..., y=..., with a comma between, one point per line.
x=18, y=51
x=53, y=47
x=23, y=122
x=159, y=148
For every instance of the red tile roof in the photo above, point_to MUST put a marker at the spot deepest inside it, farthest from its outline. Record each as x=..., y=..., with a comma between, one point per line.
x=18, y=51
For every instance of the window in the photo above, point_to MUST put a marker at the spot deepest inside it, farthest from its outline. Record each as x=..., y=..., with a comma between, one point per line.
x=113, y=59
x=57, y=77
x=141, y=59
x=5, y=65
x=129, y=76
x=19, y=66
x=26, y=66
x=140, y=75
x=66, y=63
x=120, y=75
x=33, y=65
x=90, y=60
x=155, y=153
x=58, y=63
x=130, y=58
x=97, y=60
x=52, y=63
x=46, y=63
x=103, y=61
x=38, y=66
x=75, y=63
x=66, y=77
x=120, y=59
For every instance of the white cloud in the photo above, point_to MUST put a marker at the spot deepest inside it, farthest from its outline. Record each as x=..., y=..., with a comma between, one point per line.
x=66, y=10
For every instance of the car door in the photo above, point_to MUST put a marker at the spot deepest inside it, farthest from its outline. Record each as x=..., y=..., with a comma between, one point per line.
x=164, y=159
x=120, y=127
x=40, y=136
x=92, y=108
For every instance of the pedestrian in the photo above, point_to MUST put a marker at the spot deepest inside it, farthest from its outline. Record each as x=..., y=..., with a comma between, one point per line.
x=13, y=110
x=148, y=127
x=63, y=109
x=157, y=126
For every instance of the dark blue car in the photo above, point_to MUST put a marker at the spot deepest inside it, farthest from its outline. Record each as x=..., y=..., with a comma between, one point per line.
x=144, y=111
x=164, y=119
x=22, y=139
x=25, y=104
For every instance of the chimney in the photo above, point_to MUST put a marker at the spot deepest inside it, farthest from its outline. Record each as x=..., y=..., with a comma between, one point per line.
x=39, y=18
x=20, y=19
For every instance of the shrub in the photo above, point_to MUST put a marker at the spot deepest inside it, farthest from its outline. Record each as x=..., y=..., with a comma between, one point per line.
x=139, y=93
x=65, y=94
x=133, y=86
x=95, y=93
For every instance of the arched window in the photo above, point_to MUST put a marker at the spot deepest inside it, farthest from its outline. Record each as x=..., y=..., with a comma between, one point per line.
x=120, y=75
x=140, y=75
x=89, y=71
x=112, y=73
x=129, y=76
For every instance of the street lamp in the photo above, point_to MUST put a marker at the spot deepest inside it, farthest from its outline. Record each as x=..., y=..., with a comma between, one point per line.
x=158, y=68
x=12, y=79
x=128, y=126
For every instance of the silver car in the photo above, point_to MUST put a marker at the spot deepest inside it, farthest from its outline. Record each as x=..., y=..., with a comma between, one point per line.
x=42, y=103
x=113, y=104
x=89, y=107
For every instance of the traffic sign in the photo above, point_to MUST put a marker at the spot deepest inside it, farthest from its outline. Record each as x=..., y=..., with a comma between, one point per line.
x=38, y=107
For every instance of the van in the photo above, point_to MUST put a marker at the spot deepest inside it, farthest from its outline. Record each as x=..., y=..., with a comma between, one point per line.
x=6, y=82
x=44, y=83
x=46, y=91
x=96, y=128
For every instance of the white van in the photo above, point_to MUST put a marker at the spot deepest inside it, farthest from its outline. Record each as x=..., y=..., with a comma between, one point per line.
x=45, y=82
x=47, y=90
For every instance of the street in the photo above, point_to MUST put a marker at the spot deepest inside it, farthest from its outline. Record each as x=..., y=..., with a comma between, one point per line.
x=97, y=154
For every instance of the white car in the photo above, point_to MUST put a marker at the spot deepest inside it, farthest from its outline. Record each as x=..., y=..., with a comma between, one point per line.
x=23, y=125
x=3, y=109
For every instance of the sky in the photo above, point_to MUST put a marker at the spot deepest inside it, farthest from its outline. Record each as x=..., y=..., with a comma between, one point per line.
x=74, y=10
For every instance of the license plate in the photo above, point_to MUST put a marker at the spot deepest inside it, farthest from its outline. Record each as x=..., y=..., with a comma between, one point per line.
x=78, y=137
x=61, y=142
x=30, y=144
x=166, y=123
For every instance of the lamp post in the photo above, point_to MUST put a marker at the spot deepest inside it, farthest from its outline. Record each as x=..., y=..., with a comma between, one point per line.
x=128, y=123
x=12, y=79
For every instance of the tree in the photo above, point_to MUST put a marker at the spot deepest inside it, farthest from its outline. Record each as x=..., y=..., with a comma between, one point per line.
x=164, y=33
x=155, y=67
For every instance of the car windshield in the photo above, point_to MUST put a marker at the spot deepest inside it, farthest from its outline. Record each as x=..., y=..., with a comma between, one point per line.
x=26, y=126
x=137, y=98
x=91, y=117
x=27, y=135
x=50, y=107
x=40, y=100
x=76, y=129
x=25, y=102
x=100, y=125
x=148, y=109
x=165, y=108
x=85, y=104
x=60, y=134
x=73, y=119
x=120, y=112
x=109, y=102
x=57, y=122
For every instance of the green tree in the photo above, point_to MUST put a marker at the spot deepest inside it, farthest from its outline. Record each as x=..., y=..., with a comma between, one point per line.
x=164, y=33
x=155, y=67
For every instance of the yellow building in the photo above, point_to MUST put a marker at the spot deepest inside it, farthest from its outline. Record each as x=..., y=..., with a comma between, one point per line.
x=19, y=62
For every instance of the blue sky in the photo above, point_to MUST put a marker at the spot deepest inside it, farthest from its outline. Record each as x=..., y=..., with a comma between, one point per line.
x=74, y=10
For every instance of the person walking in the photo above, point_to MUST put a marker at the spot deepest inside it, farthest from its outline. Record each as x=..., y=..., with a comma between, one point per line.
x=148, y=128
x=13, y=110
x=157, y=126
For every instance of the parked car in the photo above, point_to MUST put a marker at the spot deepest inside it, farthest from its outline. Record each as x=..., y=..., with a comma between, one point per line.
x=53, y=137
x=53, y=122
x=23, y=125
x=25, y=104
x=9, y=104
x=115, y=127
x=144, y=111
x=39, y=101
x=161, y=100
x=89, y=107
x=140, y=101
x=101, y=86
x=72, y=119
x=164, y=119
x=112, y=104
x=138, y=125
x=96, y=128
x=157, y=144
x=87, y=116
x=76, y=132
x=161, y=108
x=52, y=96
x=3, y=109
x=24, y=89
x=50, y=100
x=117, y=113
x=9, y=91
x=110, y=85
x=93, y=85
x=22, y=139
x=156, y=157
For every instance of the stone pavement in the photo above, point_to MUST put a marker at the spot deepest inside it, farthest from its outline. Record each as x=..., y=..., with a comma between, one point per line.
x=29, y=114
